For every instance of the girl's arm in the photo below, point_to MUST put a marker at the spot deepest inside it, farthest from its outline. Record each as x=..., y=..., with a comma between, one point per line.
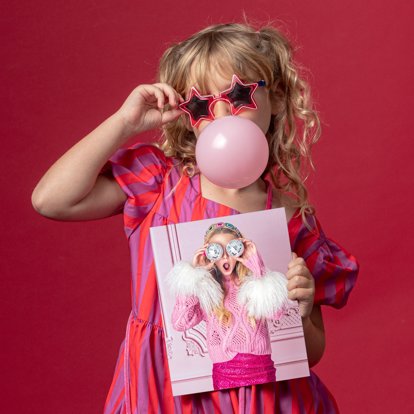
x=73, y=189
x=263, y=292
x=186, y=313
x=314, y=332
x=196, y=282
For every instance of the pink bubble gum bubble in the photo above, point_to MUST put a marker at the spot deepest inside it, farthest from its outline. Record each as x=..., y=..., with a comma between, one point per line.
x=232, y=152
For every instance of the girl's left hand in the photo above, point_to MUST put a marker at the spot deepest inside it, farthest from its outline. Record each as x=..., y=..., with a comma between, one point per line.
x=301, y=285
x=249, y=251
x=252, y=259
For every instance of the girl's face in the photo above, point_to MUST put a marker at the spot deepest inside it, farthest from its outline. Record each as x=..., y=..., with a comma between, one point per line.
x=226, y=264
x=260, y=116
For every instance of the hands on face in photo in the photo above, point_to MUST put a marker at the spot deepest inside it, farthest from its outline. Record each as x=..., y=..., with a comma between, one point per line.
x=200, y=259
x=225, y=262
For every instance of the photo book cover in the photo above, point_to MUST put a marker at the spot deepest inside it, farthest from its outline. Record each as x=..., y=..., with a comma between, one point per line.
x=227, y=320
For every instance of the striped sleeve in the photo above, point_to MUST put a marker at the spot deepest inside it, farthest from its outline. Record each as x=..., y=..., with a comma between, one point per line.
x=140, y=172
x=333, y=268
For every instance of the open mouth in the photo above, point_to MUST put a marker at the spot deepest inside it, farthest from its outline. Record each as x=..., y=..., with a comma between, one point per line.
x=226, y=266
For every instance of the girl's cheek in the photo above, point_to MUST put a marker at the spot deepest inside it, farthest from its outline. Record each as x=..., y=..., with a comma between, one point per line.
x=219, y=264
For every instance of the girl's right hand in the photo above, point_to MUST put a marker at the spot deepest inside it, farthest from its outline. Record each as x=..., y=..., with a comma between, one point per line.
x=200, y=259
x=252, y=259
x=145, y=108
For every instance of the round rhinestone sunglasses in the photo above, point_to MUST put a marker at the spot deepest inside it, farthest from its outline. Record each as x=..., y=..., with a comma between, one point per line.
x=234, y=248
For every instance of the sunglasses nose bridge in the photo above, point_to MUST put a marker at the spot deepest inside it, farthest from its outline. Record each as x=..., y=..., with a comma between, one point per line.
x=220, y=107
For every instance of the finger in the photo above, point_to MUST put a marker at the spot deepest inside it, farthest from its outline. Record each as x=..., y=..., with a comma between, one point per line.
x=299, y=270
x=294, y=256
x=149, y=92
x=171, y=94
x=203, y=261
x=200, y=253
x=299, y=282
x=250, y=246
x=245, y=242
x=171, y=115
x=294, y=283
x=301, y=294
x=296, y=261
x=159, y=94
x=196, y=257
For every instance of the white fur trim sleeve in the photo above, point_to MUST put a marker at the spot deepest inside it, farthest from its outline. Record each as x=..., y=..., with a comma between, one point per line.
x=186, y=280
x=264, y=296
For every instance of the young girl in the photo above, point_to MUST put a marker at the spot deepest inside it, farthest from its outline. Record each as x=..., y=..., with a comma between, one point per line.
x=156, y=186
x=234, y=299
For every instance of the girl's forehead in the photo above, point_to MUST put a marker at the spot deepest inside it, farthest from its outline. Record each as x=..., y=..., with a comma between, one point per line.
x=215, y=75
x=222, y=237
x=210, y=79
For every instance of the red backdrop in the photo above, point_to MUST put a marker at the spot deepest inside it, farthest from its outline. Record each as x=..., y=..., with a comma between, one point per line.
x=65, y=286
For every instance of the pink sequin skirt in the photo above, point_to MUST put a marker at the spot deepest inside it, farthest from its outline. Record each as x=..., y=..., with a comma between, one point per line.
x=243, y=370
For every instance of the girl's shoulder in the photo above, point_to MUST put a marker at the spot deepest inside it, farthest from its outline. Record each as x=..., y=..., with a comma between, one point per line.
x=141, y=164
x=300, y=226
x=138, y=154
x=281, y=200
x=140, y=171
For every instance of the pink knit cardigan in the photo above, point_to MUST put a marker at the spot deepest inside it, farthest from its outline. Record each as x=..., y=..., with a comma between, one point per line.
x=246, y=332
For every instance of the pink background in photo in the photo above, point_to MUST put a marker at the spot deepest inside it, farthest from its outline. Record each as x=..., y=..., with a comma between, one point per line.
x=66, y=65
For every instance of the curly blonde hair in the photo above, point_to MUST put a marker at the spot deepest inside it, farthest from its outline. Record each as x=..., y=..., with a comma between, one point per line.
x=224, y=315
x=251, y=54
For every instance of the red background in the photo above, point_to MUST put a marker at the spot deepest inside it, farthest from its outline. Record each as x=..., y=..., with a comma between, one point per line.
x=65, y=286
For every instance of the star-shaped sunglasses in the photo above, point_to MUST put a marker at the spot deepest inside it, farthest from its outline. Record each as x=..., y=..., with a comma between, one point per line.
x=239, y=96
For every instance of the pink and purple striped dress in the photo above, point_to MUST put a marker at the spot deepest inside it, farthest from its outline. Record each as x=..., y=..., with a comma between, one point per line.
x=158, y=195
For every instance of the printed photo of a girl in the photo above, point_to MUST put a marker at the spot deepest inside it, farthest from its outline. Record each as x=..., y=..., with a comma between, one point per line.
x=228, y=286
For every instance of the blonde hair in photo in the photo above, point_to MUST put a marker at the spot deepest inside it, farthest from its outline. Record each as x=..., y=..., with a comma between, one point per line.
x=223, y=315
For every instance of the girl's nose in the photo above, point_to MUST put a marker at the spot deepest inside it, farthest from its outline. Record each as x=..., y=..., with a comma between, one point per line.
x=221, y=109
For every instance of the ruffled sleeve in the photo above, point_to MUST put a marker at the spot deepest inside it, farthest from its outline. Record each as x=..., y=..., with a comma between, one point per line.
x=333, y=268
x=140, y=172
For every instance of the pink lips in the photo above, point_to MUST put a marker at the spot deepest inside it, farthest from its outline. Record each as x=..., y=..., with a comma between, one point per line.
x=226, y=266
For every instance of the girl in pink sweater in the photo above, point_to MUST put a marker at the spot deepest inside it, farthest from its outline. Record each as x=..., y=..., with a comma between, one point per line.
x=228, y=286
